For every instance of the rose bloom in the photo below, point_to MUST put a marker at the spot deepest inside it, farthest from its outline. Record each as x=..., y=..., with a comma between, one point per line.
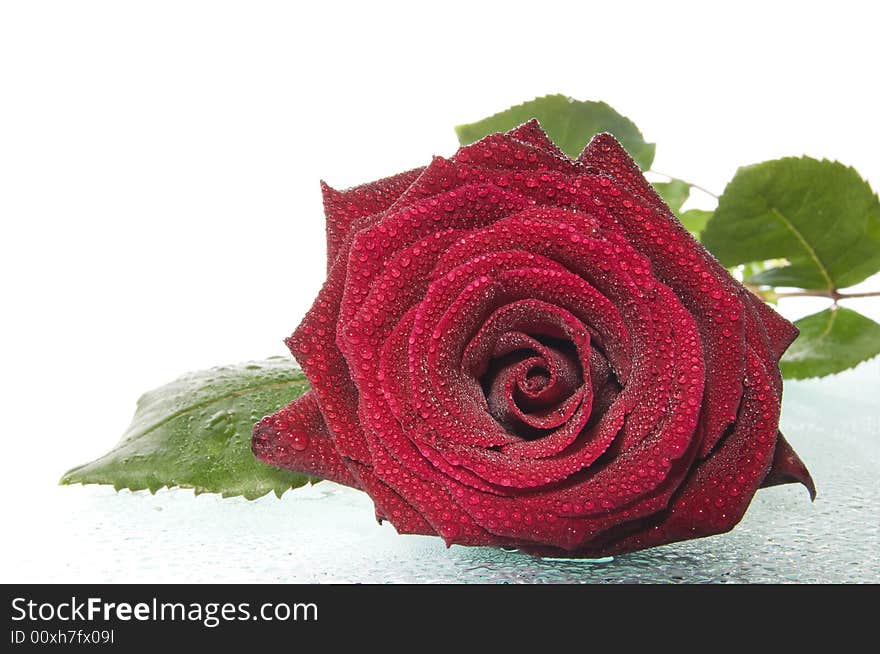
x=519, y=349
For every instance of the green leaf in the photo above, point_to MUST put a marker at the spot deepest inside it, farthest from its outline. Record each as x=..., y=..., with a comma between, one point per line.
x=754, y=270
x=196, y=433
x=830, y=341
x=570, y=123
x=694, y=220
x=819, y=215
x=674, y=193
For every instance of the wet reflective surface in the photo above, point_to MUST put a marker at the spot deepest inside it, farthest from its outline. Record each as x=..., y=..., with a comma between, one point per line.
x=326, y=533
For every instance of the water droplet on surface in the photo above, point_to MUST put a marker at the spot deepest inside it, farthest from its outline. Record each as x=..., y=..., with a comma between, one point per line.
x=299, y=441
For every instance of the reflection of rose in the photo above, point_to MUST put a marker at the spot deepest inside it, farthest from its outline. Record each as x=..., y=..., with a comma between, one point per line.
x=514, y=348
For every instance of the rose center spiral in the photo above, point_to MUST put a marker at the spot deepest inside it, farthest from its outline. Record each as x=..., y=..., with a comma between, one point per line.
x=533, y=383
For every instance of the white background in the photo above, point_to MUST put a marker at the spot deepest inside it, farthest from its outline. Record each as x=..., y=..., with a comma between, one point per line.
x=159, y=161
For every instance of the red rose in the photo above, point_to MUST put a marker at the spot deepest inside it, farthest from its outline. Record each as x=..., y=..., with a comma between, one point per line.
x=514, y=348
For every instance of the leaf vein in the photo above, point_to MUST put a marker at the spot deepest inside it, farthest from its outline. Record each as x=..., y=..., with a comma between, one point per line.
x=805, y=244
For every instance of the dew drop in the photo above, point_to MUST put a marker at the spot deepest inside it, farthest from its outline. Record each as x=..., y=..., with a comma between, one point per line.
x=300, y=441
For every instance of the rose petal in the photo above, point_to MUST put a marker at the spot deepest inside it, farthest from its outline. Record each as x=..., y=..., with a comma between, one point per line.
x=391, y=506
x=787, y=468
x=296, y=437
x=531, y=132
x=716, y=494
x=342, y=208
